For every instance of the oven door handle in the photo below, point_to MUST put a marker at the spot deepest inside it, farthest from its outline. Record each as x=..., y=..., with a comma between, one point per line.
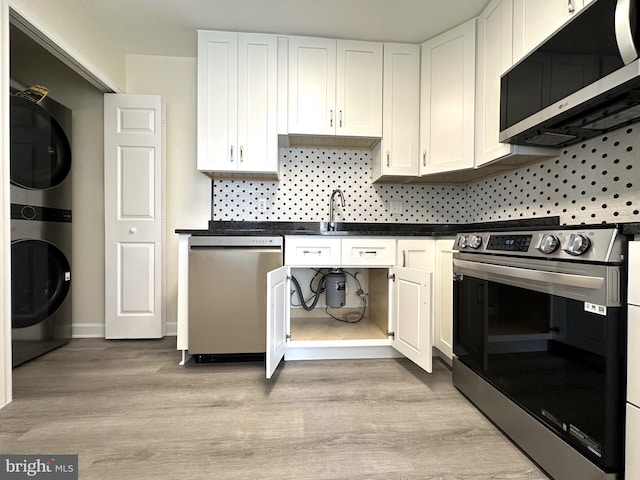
x=555, y=278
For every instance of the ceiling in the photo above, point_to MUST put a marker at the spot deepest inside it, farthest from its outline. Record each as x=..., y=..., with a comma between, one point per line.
x=168, y=27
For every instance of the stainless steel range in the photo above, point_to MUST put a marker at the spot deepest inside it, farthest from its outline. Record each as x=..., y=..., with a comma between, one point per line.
x=539, y=330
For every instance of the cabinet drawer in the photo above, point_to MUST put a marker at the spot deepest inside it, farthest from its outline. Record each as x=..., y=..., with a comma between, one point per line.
x=311, y=251
x=368, y=251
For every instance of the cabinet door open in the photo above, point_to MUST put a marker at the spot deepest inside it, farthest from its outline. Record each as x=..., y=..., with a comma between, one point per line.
x=277, y=317
x=410, y=314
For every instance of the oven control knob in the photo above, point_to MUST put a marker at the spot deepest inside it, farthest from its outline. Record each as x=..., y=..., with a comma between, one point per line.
x=548, y=244
x=577, y=244
x=463, y=241
x=475, y=241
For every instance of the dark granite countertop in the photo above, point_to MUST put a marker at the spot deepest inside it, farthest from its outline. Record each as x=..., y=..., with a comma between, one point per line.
x=252, y=228
x=632, y=228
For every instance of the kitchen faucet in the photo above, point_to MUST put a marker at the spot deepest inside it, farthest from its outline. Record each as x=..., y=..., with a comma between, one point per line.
x=337, y=191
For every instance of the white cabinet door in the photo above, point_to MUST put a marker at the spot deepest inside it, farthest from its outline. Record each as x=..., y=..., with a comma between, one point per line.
x=418, y=254
x=335, y=87
x=217, y=100
x=277, y=318
x=495, y=49
x=134, y=215
x=257, y=103
x=633, y=355
x=237, y=103
x=398, y=152
x=358, y=89
x=535, y=20
x=443, y=297
x=447, y=97
x=494, y=57
x=312, y=86
x=632, y=443
x=633, y=289
x=411, y=314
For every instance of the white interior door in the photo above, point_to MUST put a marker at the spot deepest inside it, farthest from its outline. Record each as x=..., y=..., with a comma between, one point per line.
x=411, y=314
x=134, y=219
x=277, y=317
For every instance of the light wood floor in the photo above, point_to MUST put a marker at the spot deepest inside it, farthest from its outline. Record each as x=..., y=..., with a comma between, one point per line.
x=326, y=328
x=131, y=412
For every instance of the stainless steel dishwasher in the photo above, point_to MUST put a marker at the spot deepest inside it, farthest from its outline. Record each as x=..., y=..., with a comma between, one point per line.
x=228, y=294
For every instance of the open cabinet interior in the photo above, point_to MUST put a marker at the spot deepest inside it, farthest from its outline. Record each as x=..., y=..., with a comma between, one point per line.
x=364, y=316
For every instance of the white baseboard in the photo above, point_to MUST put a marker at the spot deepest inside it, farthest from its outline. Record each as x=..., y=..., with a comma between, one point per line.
x=172, y=329
x=87, y=330
x=96, y=330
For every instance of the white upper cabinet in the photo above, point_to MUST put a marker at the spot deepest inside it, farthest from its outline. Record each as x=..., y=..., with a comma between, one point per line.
x=494, y=57
x=495, y=49
x=535, y=20
x=237, y=103
x=397, y=154
x=335, y=87
x=447, y=97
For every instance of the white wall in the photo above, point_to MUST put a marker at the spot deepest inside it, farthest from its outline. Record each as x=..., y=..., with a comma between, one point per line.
x=72, y=31
x=5, y=233
x=188, y=192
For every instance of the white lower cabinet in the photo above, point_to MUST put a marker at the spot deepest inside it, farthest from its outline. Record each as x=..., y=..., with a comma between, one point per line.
x=632, y=443
x=443, y=297
x=398, y=315
x=632, y=431
x=434, y=255
x=396, y=322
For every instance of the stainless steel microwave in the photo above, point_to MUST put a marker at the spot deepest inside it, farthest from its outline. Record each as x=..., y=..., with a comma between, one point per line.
x=583, y=81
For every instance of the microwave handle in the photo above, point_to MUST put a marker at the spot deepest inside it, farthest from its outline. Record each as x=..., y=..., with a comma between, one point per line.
x=624, y=34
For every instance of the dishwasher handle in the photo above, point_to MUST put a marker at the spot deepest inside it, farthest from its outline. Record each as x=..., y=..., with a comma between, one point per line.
x=240, y=243
x=234, y=248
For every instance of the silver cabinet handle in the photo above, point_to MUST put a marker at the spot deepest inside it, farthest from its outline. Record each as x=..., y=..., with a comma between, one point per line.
x=340, y=118
x=231, y=158
x=368, y=252
x=404, y=258
x=570, y=6
x=388, y=159
x=241, y=158
x=331, y=118
x=312, y=252
x=424, y=158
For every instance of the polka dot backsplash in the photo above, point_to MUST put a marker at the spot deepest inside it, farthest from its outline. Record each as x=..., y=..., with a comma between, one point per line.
x=591, y=182
x=307, y=178
x=597, y=181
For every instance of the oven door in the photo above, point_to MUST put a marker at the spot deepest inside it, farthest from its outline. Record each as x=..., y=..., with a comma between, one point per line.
x=549, y=337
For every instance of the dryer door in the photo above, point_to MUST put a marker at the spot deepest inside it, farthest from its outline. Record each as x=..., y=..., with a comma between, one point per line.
x=40, y=150
x=40, y=281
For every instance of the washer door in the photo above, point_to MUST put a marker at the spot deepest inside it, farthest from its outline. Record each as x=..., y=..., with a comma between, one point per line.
x=40, y=281
x=40, y=150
